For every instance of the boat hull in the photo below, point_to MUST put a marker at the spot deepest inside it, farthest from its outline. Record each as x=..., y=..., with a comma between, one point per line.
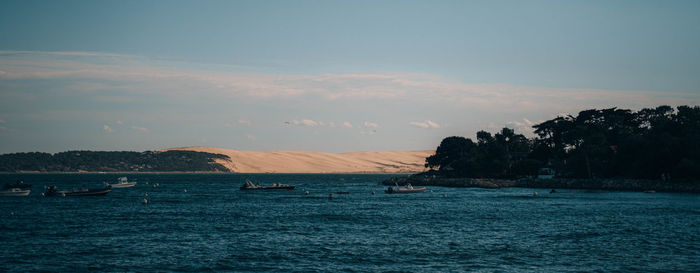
x=414, y=190
x=122, y=185
x=15, y=193
x=88, y=193
x=78, y=193
x=291, y=187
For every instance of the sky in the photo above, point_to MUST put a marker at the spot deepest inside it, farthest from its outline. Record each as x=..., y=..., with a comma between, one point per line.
x=328, y=76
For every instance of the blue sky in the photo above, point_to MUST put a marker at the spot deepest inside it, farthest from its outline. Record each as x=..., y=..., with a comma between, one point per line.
x=331, y=76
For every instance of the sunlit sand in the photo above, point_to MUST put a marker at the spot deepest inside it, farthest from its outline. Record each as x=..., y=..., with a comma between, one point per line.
x=315, y=162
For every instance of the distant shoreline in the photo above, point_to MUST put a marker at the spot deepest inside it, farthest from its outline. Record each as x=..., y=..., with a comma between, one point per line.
x=613, y=184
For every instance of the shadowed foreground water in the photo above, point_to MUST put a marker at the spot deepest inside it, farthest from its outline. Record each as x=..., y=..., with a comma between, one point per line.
x=216, y=227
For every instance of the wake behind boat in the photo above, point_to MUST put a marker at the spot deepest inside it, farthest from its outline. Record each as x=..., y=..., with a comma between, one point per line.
x=15, y=192
x=405, y=189
x=52, y=191
x=249, y=185
x=122, y=183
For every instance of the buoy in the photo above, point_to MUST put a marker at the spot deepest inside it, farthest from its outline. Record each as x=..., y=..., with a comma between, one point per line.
x=444, y=195
x=145, y=194
x=155, y=185
x=330, y=196
x=534, y=194
x=145, y=201
x=372, y=193
x=185, y=190
x=306, y=192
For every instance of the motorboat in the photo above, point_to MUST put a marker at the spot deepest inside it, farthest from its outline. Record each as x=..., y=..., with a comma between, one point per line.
x=122, y=182
x=19, y=185
x=52, y=191
x=405, y=189
x=15, y=192
x=249, y=185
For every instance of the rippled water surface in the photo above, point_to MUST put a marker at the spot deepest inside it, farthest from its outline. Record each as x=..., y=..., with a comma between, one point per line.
x=214, y=226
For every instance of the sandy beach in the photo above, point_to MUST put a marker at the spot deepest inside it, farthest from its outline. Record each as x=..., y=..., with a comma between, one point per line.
x=316, y=162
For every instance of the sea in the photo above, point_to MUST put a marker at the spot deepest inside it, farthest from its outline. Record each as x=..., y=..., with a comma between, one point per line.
x=205, y=223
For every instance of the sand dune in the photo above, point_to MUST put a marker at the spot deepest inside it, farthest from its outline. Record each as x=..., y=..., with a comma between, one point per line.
x=314, y=162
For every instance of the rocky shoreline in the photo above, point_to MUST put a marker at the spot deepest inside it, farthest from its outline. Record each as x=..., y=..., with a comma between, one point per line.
x=640, y=185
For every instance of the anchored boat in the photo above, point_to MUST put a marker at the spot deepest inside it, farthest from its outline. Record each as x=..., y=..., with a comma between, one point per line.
x=15, y=192
x=405, y=189
x=122, y=183
x=249, y=185
x=52, y=191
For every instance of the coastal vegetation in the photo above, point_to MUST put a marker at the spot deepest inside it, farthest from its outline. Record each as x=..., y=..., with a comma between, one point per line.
x=652, y=143
x=97, y=161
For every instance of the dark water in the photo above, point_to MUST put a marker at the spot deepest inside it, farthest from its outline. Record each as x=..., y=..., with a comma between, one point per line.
x=215, y=227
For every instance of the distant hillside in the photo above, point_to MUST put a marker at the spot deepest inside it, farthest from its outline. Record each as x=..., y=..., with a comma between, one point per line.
x=315, y=162
x=90, y=161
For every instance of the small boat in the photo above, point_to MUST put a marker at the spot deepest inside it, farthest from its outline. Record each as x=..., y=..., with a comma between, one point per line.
x=122, y=183
x=19, y=185
x=15, y=192
x=405, y=189
x=52, y=191
x=249, y=185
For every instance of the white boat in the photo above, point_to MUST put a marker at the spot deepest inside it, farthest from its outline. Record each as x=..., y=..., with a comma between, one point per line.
x=15, y=192
x=123, y=183
x=405, y=189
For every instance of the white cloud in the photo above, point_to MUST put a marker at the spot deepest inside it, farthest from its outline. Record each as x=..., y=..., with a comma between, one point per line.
x=140, y=129
x=107, y=129
x=425, y=124
x=305, y=122
x=308, y=122
x=524, y=127
x=347, y=124
x=368, y=124
x=135, y=74
x=244, y=122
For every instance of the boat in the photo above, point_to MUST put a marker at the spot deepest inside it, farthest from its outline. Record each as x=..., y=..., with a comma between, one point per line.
x=15, y=192
x=405, y=189
x=52, y=191
x=18, y=185
x=122, y=183
x=249, y=185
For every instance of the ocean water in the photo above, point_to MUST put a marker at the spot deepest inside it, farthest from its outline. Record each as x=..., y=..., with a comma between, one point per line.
x=216, y=227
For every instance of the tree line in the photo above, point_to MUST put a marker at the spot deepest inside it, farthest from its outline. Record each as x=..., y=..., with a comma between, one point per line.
x=652, y=143
x=94, y=161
